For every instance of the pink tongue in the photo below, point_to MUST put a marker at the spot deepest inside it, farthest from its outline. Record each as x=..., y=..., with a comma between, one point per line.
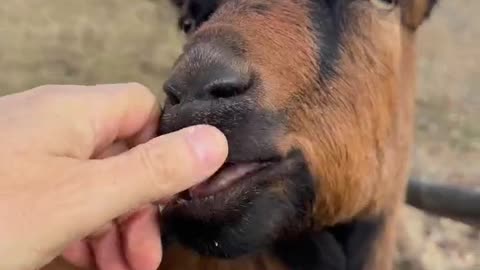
x=222, y=179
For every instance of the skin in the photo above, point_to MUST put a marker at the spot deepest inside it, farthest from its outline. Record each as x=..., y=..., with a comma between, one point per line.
x=80, y=163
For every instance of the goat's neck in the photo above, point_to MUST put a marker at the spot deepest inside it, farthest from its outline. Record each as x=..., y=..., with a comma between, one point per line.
x=179, y=258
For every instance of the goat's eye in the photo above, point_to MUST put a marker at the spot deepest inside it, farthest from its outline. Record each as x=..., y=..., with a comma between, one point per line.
x=384, y=4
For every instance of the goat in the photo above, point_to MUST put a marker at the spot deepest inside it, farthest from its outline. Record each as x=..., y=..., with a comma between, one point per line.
x=316, y=98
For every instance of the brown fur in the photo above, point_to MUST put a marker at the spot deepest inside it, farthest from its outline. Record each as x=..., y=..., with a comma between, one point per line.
x=178, y=258
x=368, y=126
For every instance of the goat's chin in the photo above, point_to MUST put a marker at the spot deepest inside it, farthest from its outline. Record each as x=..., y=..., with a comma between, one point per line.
x=234, y=234
x=247, y=220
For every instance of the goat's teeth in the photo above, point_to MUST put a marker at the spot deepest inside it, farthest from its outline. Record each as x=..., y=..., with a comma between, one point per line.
x=182, y=201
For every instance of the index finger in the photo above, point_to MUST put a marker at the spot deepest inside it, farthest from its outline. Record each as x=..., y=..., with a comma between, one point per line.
x=103, y=113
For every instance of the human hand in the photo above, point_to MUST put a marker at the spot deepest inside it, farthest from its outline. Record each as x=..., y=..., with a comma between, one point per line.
x=75, y=159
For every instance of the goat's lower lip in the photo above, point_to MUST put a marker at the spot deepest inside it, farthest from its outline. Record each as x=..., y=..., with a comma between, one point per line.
x=225, y=177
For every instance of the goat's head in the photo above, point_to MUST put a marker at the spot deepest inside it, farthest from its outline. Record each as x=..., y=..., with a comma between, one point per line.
x=315, y=98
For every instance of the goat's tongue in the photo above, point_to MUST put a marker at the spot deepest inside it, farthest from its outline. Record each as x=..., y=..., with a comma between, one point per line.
x=225, y=177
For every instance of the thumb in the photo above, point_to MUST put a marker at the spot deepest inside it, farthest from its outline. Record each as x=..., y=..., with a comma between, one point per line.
x=157, y=169
x=171, y=163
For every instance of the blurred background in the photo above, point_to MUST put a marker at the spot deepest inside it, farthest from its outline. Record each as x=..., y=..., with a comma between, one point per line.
x=108, y=41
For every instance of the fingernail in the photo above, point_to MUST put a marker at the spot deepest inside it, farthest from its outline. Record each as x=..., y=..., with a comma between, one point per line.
x=208, y=144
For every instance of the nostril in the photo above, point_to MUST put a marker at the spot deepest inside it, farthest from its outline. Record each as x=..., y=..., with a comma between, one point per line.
x=228, y=87
x=172, y=95
x=225, y=90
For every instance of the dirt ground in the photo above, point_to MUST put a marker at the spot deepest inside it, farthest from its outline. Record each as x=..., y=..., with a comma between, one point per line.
x=91, y=41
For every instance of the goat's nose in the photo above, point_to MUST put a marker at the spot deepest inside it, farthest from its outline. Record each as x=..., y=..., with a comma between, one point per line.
x=207, y=82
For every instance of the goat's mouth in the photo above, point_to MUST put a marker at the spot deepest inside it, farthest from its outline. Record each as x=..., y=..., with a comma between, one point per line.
x=218, y=213
x=230, y=176
x=232, y=189
x=227, y=176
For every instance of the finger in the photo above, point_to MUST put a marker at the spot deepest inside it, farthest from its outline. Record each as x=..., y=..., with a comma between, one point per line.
x=103, y=190
x=167, y=165
x=107, y=250
x=79, y=255
x=149, y=131
x=113, y=150
x=104, y=229
x=141, y=240
x=144, y=220
x=102, y=113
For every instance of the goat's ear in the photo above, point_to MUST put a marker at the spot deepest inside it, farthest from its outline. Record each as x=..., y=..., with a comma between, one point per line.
x=414, y=12
x=192, y=13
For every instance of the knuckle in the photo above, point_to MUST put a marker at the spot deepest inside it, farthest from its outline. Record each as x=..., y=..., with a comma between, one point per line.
x=156, y=168
x=139, y=93
x=100, y=232
x=135, y=88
